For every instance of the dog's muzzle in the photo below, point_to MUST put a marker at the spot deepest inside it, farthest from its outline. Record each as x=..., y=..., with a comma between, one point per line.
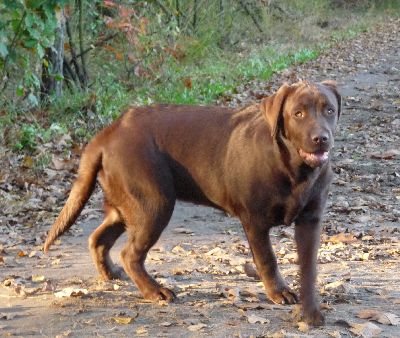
x=315, y=159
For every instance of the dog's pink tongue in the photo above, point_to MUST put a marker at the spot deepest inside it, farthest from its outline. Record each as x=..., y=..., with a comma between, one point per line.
x=314, y=159
x=321, y=156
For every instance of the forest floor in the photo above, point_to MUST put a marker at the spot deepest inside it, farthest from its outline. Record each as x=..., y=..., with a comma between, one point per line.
x=202, y=252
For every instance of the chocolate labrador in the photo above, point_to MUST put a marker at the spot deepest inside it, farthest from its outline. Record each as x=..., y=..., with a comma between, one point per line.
x=266, y=164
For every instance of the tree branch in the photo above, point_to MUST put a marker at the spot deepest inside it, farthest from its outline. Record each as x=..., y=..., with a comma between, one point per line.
x=97, y=44
x=74, y=58
x=13, y=42
x=252, y=16
x=82, y=55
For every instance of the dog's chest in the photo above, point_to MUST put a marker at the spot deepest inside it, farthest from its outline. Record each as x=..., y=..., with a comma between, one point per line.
x=285, y=207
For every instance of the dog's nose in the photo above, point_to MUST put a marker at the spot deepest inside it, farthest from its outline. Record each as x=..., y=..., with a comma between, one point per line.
x=320, y=138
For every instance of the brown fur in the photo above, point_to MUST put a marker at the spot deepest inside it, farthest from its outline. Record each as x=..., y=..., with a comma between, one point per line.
x=247, y=162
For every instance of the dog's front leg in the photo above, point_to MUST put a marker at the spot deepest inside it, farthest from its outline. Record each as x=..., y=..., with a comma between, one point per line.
x=307, y=234
x=265, y=260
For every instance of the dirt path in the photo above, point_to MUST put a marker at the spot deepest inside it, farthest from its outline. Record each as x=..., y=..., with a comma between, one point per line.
x=201, y=254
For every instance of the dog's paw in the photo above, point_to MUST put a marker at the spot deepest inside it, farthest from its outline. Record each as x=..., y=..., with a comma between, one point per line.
x=313, y=317
x=283, y=295
x=159, y=293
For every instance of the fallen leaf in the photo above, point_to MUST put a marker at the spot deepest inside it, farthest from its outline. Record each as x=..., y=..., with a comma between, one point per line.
x=56, y=261
x=296, y=313
x=61, y=164
x=216, y=252
x=365, y=330
x=38, y=278
x=386, y=318
x=303, y=327
x=278, y=334
x=123, y=320
x=7, y=316
x=335, y=334
x=340, y=287
x=48, y=286
x=182, y=230
x=187, y=82
x=342, y=237
x=252, y=319
x=33, y=254
x=64, y=334
x=228, y=292
x=166, y=324
x=27, y=162
x=142, y=331
x=387, y=155
x=196, y=327
x=178, y=249
x=21, y=253
x=71, y=292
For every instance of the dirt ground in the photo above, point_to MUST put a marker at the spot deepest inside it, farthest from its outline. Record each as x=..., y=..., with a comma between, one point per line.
x=202, y=253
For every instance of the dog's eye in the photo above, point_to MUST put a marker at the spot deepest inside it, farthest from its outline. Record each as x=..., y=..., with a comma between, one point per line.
x=330, y=111
x=299, y=114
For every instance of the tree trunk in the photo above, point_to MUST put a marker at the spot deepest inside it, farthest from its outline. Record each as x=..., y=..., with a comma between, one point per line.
x=81, y=49
x=178, y=14
x=195, y=14
x=52, y=78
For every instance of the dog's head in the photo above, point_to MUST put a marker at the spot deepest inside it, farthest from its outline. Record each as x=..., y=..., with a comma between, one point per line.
x=306, y=114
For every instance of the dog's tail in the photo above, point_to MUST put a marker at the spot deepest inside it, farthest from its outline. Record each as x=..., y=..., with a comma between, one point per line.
x=81, y=190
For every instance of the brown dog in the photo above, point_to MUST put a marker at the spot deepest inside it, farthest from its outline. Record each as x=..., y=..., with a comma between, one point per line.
x=267, y=164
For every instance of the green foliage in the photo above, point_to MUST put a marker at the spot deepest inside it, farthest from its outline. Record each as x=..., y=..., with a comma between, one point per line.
x=220, y=74
x=26, y=30
x=32, y=134
x=155, y=51
x=27, y=138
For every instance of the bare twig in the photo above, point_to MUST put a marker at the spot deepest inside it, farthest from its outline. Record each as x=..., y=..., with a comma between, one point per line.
x=12, y=46
x=69, y=72
x=73, y=61
x=97, y=44
x=163, y=8
x=195, y=10
x=82, y=55
x=178, y=14
x=251, y=15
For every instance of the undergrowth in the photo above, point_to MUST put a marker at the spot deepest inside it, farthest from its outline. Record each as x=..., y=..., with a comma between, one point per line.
x=207, y=71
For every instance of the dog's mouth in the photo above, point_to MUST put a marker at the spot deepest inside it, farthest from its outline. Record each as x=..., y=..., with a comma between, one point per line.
x=315, y=159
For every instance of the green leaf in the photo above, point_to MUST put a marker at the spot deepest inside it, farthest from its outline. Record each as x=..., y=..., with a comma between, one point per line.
x=36, y=3
x=13, y=4
x=20, y=90
x=3, y=50
x=30, y=20
x=31, y=80
x=32, y=99
x=58, y=77
x=40, y=51
x=34, y=33
x=30, y=43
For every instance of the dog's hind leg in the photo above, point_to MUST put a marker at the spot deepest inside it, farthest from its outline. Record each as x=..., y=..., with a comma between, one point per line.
x=101, y=241
x=146, y=215
x=141, y=237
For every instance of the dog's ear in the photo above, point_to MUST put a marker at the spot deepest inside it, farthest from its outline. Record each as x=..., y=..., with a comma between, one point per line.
x=332, y=85
x=272, y=107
